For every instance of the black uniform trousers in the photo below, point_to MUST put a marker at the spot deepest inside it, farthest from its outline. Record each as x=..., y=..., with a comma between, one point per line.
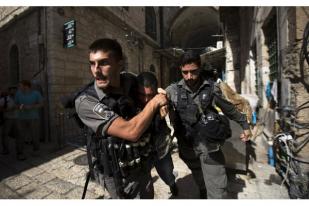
x=208, y=167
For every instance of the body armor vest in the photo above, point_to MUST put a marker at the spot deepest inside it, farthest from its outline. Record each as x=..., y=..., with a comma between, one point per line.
x=128, y=155
x=188, y=110
x=198, y=119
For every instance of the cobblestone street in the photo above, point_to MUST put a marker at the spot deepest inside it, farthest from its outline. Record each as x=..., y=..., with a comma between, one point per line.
x=55, y=175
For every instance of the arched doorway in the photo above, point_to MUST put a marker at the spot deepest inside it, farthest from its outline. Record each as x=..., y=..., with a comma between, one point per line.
x=195, y=27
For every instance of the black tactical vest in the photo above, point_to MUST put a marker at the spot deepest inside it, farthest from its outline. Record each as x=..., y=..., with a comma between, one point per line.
x=188, y=109
x=195, y=125
x=129, y=154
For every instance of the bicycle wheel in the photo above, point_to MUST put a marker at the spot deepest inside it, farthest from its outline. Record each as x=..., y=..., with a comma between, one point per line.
x=298, y=182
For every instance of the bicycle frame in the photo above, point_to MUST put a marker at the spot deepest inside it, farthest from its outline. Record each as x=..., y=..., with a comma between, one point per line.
x=285, y=147
x=288, y=166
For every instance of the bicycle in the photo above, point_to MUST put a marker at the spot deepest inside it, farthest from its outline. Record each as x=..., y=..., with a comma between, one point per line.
x=286, y=147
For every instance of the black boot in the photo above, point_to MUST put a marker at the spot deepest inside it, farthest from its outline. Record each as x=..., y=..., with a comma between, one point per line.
x=174, y=189
x=203, y=193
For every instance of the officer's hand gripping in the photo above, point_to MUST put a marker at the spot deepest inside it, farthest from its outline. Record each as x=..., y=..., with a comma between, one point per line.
x=245, y=135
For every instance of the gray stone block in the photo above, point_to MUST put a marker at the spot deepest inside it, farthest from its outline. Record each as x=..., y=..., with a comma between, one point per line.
x=17, y=181
x=33, y=191
x=45, y=177
x=7, y=193
x=59, y=185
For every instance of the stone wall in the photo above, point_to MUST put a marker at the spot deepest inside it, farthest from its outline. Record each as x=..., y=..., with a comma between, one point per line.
x=63, y=70
x=230, y=18
x=297, y=73
x=68, y=67
x=24, y=33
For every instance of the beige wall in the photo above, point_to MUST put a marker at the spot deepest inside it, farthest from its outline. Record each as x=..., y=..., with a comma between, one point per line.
x=67, y=68
x=24, y=34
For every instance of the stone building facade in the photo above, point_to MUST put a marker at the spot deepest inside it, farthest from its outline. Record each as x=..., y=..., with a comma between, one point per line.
x=266, y=50
x=265, y=46
x=32, y=48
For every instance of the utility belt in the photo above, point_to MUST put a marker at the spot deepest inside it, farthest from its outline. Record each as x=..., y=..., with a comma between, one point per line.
x=133, y=155
x=115, y=157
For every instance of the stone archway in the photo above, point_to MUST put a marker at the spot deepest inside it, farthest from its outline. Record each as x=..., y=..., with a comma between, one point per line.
x=199, y=29
x=195, y=27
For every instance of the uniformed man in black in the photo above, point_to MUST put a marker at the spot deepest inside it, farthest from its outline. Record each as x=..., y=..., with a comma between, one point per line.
x=197, y=128
x=101, y=108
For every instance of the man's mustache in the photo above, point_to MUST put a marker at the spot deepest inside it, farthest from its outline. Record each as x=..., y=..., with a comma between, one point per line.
x=100, y=76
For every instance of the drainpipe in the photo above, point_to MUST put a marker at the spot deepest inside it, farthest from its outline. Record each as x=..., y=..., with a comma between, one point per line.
x=161, y=20
x=47, y=97
x=279, y=80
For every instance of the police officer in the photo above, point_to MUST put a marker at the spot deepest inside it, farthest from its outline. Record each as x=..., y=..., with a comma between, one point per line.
x=99, y=107
x=198, y=129
x=162, y=141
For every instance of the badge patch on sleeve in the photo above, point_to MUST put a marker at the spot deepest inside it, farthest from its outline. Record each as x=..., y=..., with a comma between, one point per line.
x=101, y=110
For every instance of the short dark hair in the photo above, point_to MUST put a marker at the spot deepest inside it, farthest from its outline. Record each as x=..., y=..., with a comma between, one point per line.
x=190, y=57
x=147, y=79
x=26, y=83
x=107, y=45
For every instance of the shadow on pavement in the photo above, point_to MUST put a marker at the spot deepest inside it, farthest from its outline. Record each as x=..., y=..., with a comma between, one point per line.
x=235, y=184
x=187, y=188
x=273, y=179
x=10, y=166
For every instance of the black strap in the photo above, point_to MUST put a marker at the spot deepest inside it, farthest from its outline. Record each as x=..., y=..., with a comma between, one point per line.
x=86, y=185
x=90, y=173
x=182, y=96
x=89, y=157
x=202, y=105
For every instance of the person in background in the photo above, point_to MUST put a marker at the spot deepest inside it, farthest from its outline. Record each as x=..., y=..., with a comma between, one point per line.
x=7, y=103
x=28, y=102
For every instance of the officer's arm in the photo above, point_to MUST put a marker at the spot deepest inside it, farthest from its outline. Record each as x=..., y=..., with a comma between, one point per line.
x=104, y=121
x=229, y=109
x=132, y=129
